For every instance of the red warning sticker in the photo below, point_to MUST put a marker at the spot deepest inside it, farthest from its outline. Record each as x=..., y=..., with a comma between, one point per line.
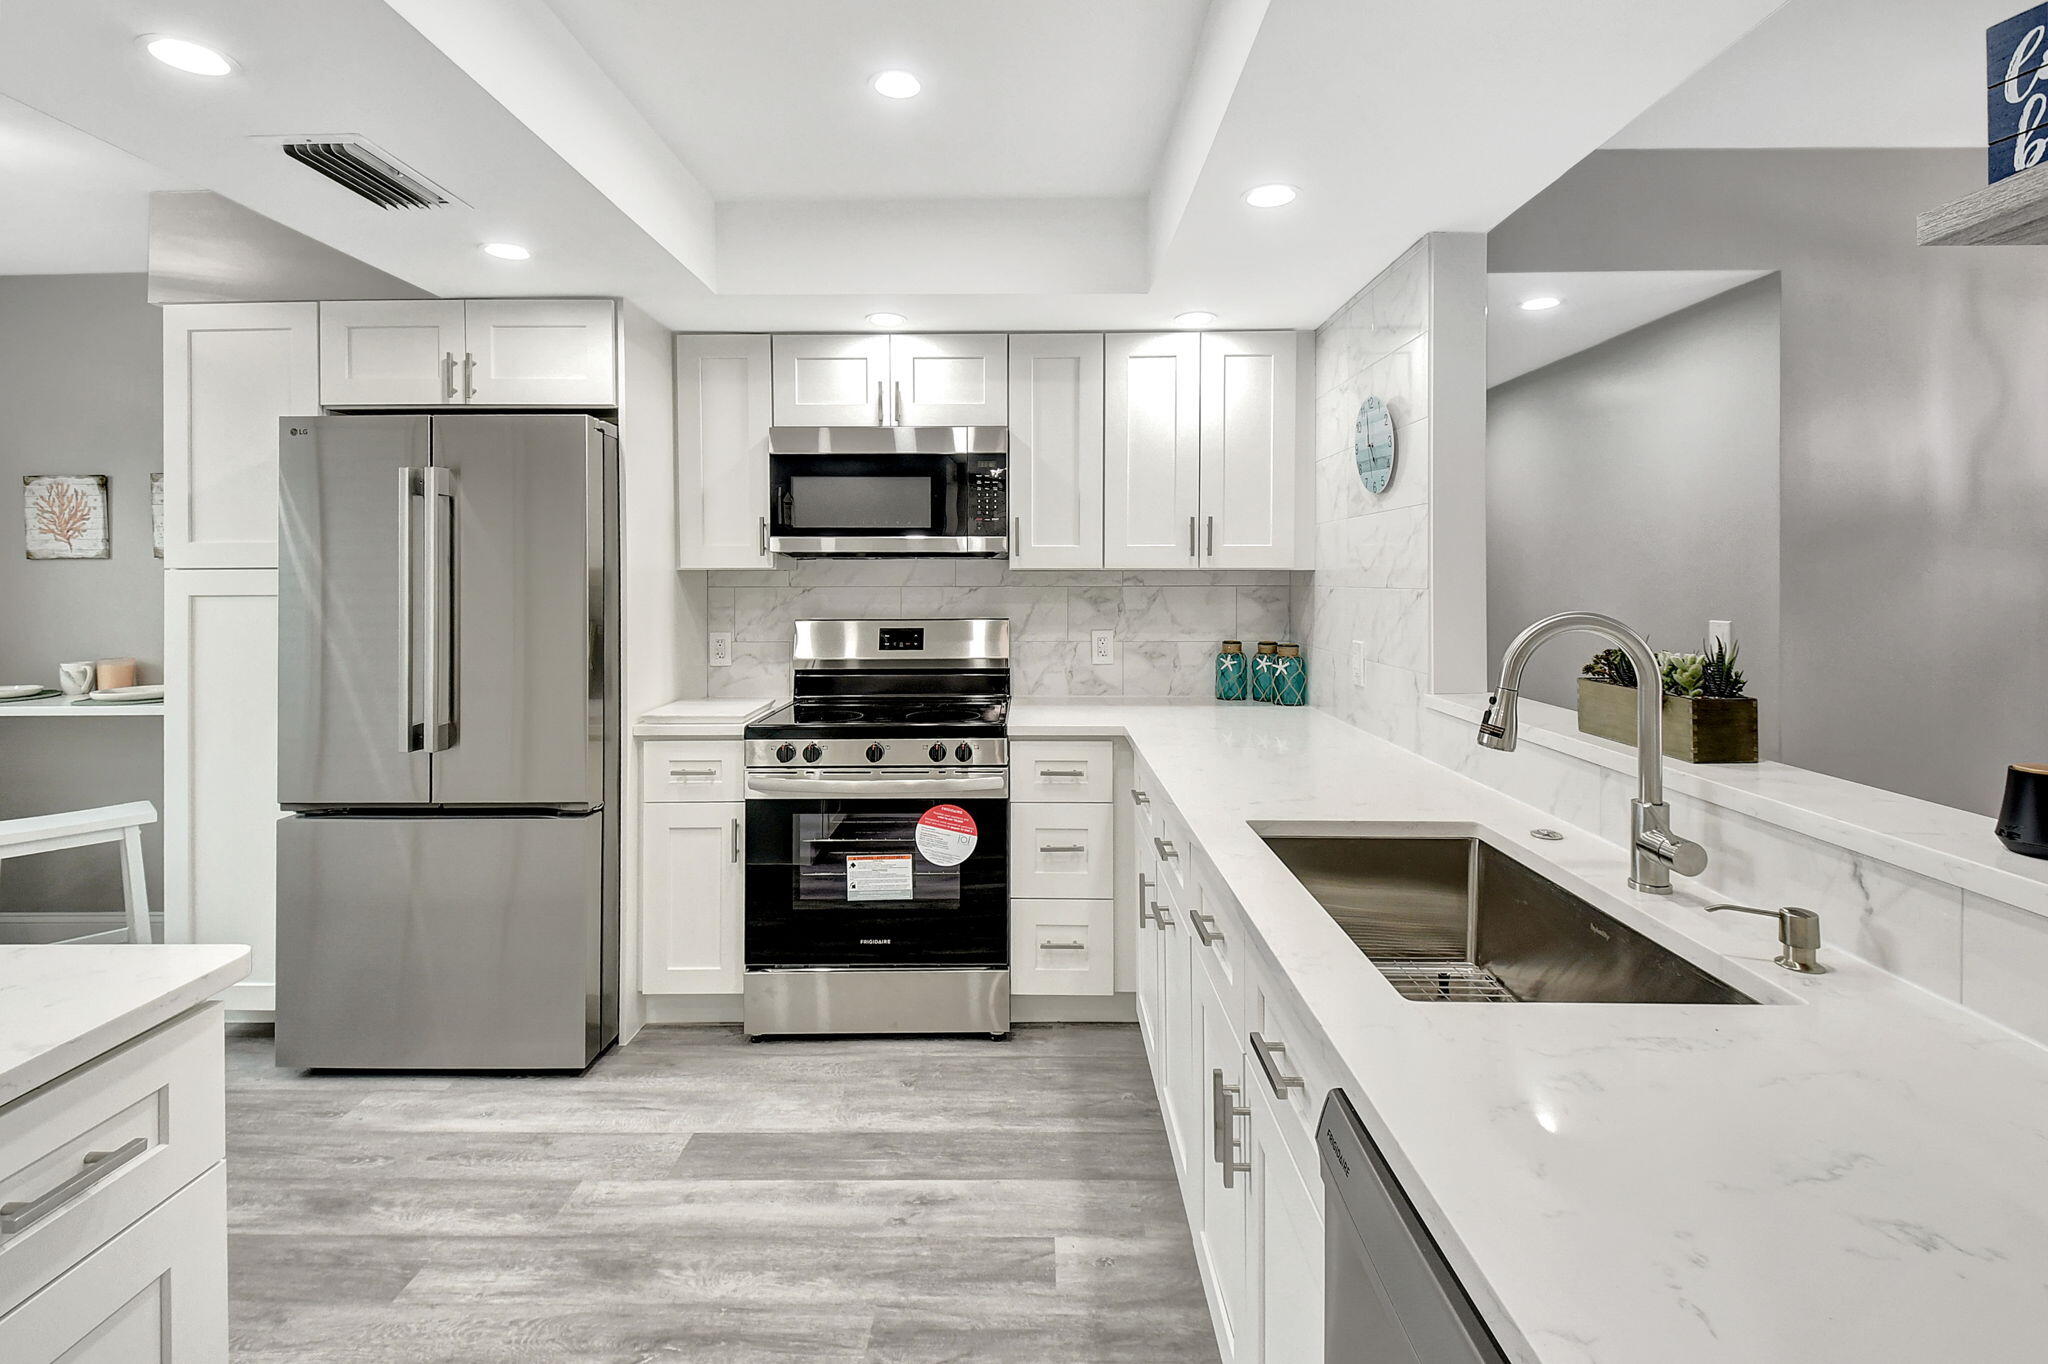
x=946, y=834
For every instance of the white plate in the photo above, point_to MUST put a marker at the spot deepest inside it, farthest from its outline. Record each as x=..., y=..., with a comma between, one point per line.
x=153, y=691
x=8, y=693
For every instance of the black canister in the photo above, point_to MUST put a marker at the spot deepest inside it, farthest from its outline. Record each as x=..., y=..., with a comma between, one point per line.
x=2023, y=818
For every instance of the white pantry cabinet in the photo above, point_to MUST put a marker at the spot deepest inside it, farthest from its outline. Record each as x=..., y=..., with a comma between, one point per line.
x=479, y=352
x=692, y=873
x=1250, y=460
x=1056, y=477
x=1151, y=450
x=230, y=371
x=724, y=407
x=883, y=379
x=220, y=768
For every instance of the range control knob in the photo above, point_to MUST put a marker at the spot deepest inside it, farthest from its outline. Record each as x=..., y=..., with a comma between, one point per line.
x=812, y=753
x=875, y=753
x=938, y=753
x=785, y=753
x=964, y=753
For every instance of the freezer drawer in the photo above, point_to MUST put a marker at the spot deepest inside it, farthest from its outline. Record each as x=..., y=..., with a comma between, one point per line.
x=442, y=942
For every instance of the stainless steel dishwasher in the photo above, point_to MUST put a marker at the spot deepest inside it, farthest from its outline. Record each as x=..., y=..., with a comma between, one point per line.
x=1390, y=1295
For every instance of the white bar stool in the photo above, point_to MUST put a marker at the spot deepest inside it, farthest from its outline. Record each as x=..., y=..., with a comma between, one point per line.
x=82, y=828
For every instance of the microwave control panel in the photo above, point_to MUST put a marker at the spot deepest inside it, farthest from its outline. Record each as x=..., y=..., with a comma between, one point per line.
x=988, y=503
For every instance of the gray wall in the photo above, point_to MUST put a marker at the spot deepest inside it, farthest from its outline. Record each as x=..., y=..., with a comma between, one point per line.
x=81, y=391
x=1914, y=472
x=1640, y=478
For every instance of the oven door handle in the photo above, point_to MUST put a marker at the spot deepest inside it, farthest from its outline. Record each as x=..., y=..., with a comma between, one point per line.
x=802, y=785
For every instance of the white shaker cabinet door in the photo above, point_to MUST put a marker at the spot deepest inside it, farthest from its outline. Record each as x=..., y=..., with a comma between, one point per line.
x=1284, y=1244
x=1250, y=460
x=1151, y=450
x=404, y=352
x=949, y=380
x=690, y=877
x=540, y=352
x=1056, y=451
x=230, y=371
x=1225, y=1188
x=831, y=380
x=724, y=402
x=220, y=768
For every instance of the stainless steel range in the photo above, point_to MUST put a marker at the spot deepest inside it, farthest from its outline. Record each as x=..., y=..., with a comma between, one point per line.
x=878, y=886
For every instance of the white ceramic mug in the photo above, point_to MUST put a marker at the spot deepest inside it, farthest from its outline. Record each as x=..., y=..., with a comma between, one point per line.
x=74, y=679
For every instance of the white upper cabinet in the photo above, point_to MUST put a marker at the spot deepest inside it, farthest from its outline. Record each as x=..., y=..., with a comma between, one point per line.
x=391, y=353
x=1151, y=450
x=724, y=400
x=1250, y=473
x=1056, y=451
x=230, y=371
x=482, y=352
x=949, y=380
x=831, y=380
x=542, y=352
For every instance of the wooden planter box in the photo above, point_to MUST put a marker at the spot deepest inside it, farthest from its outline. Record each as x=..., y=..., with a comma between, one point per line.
x=1696, y=729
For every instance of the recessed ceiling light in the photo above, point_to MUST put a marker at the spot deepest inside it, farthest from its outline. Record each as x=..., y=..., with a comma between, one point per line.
x=187, y=56
x=507, y=250
x=1195, y=319
x=1542, y=303
x=896, y=84
x=1270, y=196
x=886, y=319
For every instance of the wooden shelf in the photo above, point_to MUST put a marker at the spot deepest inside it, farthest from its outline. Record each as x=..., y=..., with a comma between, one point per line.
x=2013, y=212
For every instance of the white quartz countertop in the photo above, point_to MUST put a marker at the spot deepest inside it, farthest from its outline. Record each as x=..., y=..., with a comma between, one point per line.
x=1851, y=1174
x=62, y=1005
x=718, y=716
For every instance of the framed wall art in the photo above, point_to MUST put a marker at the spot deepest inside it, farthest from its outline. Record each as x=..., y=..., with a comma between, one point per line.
x=66, y=516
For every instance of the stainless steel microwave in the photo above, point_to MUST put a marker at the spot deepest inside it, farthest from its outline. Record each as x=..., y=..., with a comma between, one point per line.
x=874, y=491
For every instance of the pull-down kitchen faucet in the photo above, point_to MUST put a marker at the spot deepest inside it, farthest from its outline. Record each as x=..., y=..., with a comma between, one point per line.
x=1655, y=851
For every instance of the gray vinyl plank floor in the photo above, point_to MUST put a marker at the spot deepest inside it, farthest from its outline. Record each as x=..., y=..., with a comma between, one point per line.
x=696, y=1197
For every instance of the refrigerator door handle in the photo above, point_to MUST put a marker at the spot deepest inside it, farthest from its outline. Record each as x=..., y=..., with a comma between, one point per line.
x=438, y=490
x=416, y=668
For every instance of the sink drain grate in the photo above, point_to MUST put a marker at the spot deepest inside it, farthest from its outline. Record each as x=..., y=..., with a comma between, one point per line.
x=1453, y=981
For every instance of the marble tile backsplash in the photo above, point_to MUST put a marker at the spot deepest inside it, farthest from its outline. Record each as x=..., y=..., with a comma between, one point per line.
x=1167, y=624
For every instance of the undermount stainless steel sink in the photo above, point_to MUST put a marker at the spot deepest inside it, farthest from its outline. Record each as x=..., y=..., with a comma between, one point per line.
x=1454, y=920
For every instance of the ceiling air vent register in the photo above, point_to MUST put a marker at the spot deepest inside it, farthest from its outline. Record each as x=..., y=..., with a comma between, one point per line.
x=362, y=169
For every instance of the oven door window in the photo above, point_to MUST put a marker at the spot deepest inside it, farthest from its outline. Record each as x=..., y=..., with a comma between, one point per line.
x=803, y=910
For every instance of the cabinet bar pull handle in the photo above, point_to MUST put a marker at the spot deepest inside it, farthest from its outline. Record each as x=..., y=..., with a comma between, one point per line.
x=735, y=838
x=1062, y=772
x=1063, y=847
x=897, y=415
x=1205, y=927
x=1016, y=535
x=1227, y=1111
x=16, y=1217
x=1165, y=849
x=878, y=404
x=1064, y=946
x=1162, y=917
x=1191, y=537
x=764, y=535
x=1139, y=797
x=468, y=375
x=1144, y=906
x=1276, y=1077
x=448, y=375
x=1212, y=537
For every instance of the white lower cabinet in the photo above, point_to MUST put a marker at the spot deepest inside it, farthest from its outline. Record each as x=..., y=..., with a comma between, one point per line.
x=1061, y=947
x=1062, y=852
x=155, y=1294
x=1284, y=1243
x=1221, y=1173
x=691, y=872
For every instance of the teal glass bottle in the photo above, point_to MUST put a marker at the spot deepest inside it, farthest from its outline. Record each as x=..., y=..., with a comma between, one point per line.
x=1262, y=670
x=1290, y=677
x=1231, y=671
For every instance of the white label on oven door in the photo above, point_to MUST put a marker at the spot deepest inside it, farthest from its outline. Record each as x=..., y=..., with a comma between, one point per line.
x=878, y=876
x=946, y=835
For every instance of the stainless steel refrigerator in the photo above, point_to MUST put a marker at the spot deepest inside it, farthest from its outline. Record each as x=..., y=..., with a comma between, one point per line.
x=448, y=730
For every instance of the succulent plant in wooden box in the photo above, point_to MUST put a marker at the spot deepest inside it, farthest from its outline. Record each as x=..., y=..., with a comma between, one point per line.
x=1707, y=718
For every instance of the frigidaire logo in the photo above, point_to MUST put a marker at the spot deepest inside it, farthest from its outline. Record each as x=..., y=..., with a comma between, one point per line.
x=876, y=942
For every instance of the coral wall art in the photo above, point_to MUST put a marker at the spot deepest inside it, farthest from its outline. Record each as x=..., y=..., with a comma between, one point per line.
x=66, y=515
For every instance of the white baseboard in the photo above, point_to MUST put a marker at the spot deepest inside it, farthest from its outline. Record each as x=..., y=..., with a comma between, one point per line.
x=658, y=1009
x=26, y=926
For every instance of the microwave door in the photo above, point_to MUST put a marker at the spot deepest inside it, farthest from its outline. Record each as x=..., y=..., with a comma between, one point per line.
x=351, y=587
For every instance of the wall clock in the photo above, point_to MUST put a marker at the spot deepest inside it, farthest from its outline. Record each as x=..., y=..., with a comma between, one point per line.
x=1372, y=445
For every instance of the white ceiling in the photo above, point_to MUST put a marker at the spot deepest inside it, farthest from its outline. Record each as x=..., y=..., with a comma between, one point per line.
x=1838, y=73
x=1595, y=306
x=1072, y=164
x=72, y=205
x=770, y=99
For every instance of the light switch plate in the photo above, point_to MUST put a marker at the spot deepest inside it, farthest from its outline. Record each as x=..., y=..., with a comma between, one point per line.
x=1357, y=662
x=1103, y=648
x=721, y=649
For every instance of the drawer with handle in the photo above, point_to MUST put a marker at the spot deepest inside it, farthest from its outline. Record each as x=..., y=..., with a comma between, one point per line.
x=1287, y=1060
x=692, y=769
x=1216, y=923
x=89, y=1153
x=1061, y=947
x=1063, y=852
x=1046, y=771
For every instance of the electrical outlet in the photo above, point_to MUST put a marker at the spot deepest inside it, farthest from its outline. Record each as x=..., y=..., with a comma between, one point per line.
x=1357, y=662
x=1103, y=649
x=721, y=649
x=1723, y=630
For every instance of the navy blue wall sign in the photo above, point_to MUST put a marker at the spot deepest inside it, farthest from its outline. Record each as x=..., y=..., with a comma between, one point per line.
x=2016, y=97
